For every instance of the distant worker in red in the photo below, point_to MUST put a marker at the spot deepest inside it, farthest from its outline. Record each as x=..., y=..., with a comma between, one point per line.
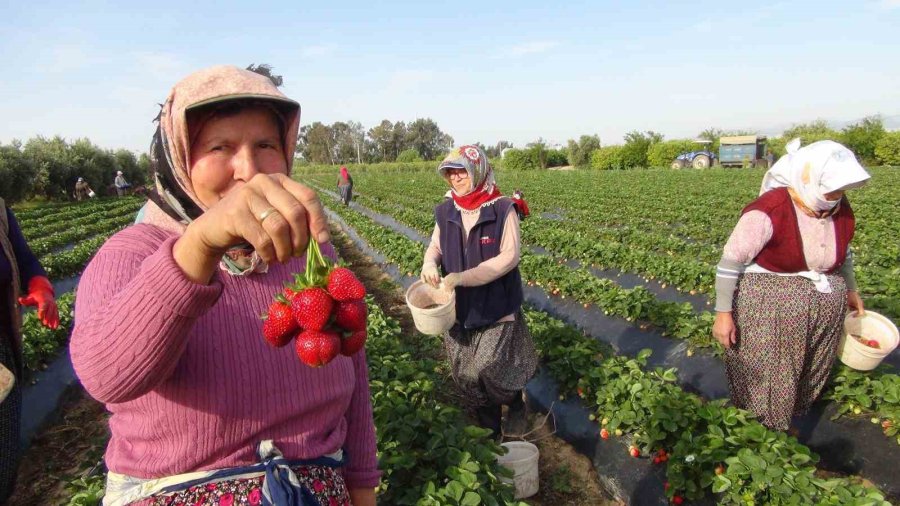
x=518, y=198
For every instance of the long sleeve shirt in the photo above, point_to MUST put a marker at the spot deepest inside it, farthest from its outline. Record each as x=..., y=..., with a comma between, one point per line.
x=28, y=264
x=492, y=268
x=754, y=230
x=188, y=378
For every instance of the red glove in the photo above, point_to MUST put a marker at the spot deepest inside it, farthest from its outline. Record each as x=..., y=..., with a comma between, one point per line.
x=40, y=294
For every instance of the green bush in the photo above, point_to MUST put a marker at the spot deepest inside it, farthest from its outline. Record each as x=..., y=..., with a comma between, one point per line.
x=888, y=149
x=409, y=156
x=863, y=137
x=520, y=159
x=557, y=158
x=580, y=152
x=608, y=158
x=663, y=153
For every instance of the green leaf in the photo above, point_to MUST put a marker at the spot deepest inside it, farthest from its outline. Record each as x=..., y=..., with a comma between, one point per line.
x=471, y=499
x=721, y=484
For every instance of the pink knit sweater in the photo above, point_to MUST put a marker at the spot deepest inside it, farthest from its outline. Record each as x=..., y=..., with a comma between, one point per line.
x=189, y=380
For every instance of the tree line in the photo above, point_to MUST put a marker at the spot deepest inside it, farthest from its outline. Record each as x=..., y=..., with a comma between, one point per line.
x=49, y=168
x=867, y=138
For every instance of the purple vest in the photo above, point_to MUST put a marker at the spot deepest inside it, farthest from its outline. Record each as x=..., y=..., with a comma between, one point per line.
x=477, y=306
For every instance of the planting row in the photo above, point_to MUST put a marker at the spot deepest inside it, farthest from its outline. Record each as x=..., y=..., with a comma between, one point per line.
x=71, y=213
x=74, y=233
x=875, y=394
x=625, y=221
x=700, y=438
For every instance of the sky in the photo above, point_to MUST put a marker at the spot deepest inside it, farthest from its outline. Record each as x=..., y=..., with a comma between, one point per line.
x=484, y=71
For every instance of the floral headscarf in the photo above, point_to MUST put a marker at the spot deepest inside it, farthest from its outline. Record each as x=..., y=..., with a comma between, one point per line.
x=174, y=203
x=473, y=159
x=812, y=171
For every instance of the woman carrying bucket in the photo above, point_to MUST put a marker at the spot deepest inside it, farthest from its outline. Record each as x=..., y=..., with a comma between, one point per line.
x=475, y=245
x=785, y=281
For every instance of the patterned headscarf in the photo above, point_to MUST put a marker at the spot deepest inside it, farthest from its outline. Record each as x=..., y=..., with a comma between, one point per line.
x=812, y=171
x=484, y=190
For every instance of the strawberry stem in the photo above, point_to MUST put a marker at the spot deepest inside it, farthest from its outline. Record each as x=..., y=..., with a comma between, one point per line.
x=317, y=269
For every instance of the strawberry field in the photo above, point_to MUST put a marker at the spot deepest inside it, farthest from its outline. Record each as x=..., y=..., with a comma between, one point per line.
x=639, y=250
x=619, y=267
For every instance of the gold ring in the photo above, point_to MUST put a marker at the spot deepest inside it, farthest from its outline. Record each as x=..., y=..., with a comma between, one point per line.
x=265, y=214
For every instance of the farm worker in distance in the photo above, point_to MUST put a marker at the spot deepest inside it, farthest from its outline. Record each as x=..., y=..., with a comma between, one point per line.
x=201, y=404
x=345, y=186
x=121, y=184
x=476, y=246
x=25, y=282
x=785, y=281
x=518, y=199
x=82, y=189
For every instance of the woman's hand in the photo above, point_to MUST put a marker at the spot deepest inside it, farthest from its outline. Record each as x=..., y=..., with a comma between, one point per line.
x=854, y=302
x=430, y=274
x=271, y=212
x=724, y=330
x=451, y=281
x=40, y=295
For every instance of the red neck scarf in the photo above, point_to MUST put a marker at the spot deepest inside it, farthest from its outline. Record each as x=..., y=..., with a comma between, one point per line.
x=477, y=197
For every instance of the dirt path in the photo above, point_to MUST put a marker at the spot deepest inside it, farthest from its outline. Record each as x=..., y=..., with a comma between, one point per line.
x=63, y=452
x=567, y=477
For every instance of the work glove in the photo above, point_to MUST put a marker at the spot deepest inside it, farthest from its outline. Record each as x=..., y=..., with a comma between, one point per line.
x=430, y=274
x=451, y=281
x=40, y=295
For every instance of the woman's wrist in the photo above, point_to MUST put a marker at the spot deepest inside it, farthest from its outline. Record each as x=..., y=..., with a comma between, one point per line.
x=196, y=260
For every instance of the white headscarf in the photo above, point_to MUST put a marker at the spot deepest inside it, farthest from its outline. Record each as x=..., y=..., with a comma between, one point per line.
x=815, y=170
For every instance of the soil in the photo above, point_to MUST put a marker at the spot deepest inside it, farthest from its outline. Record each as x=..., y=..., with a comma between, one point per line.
x=69, y=449
x=567, y=478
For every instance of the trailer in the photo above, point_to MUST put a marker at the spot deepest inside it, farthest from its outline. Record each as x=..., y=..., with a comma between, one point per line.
x=743, y=151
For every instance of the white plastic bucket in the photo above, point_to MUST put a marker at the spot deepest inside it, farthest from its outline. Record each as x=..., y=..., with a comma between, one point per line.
x=433, y=309
x=522, y=459
x=871, y=325
x=91, y=194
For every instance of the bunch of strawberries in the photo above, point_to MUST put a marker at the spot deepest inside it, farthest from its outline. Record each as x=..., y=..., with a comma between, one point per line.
x=323, y=310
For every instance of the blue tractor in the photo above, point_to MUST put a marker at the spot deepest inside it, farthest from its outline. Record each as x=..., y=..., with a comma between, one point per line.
x=698, y=159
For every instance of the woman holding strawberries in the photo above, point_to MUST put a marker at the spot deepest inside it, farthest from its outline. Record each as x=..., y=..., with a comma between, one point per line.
x=204, y=411
x=476, y=245
x=785, y=282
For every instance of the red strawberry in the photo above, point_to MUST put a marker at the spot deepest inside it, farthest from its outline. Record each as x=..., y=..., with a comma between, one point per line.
x=353, y=343
x=350, y=315
x=279, y=326
x=343, y=285
x=312, y=308
x=657, y=460
x=720, y=469
x=634, y=452
x=676, y=499
x=604, y=433
x=316, y=348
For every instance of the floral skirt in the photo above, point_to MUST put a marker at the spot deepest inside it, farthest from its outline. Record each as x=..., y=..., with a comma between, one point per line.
x=492, y=364
x=788, y=334
x=326, y=483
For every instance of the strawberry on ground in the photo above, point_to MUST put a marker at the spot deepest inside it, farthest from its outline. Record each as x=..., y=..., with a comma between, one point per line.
x=353, y=342
x=312, y=308
x=604, y=433
x=317, y=347
x=343, y=285
x=279, y=325
x=350, y=315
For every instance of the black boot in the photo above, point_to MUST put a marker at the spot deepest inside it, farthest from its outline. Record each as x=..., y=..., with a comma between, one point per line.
x=489, y=417
x=516, y=417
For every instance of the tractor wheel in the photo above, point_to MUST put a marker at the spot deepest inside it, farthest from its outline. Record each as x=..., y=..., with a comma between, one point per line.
x=677, y=164
x=700, y=162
